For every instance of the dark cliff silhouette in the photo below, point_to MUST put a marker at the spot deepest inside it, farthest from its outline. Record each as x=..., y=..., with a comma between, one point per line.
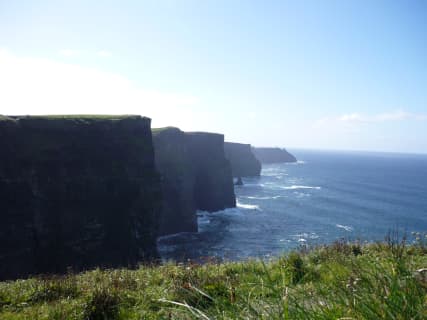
x=242, y=160
x=76, y=191
x=195, y=176
x=273, y=155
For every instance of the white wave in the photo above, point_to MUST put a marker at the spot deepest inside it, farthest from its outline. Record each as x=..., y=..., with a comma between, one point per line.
x=296, y=163
x=296, y=187
x=305, y=235
x=173, y=235
x=247, y=206
x=262, y=198
x=278, y=174
x=346, y=228
x=203, y=220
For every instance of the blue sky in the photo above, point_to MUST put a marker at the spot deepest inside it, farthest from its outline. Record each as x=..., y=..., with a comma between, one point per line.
x=311, y=74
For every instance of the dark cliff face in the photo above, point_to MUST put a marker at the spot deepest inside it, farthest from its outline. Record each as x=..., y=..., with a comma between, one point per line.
x=273, y=155
x=195, y=176
x=213, y=189
x=242, y=160
x=173, y=160
x=76, y=192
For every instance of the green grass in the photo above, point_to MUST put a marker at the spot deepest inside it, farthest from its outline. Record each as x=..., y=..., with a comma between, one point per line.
x=159, y=130
x=5, y=118
x=338, y=281
x=82, y=116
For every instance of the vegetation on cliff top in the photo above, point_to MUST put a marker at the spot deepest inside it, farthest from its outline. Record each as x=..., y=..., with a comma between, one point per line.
x=339, y=281
x=163, y=129
x=93, y=117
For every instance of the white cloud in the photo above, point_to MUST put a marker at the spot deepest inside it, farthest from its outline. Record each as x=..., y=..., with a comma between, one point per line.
x=351, y=117
x=41, y=86
x=104, y=53
x=399, y=115
x=69, y=53
x=357, y=118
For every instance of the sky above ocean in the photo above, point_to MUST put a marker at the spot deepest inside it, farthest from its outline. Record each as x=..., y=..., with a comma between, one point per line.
x=311, y=74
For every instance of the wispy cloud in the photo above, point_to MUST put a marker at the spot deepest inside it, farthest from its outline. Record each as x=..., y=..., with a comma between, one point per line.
x=69, y=52
x=358, y=118
x=396, y=115
x=42, y=86
x=352, y=117
x=104, y=53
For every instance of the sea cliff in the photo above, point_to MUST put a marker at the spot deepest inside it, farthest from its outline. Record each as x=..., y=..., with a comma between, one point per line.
x=76, y=192
x=195, y=176
x=242, y=160
x=273, y=155
x=178, y=176
x=213, y=189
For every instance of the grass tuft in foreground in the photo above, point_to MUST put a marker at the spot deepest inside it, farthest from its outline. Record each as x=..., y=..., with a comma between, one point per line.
x=339, y=281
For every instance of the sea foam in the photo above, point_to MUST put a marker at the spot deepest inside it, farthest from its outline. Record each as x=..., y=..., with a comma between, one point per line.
x=296, y=187
x=346, y=228
x=262, y=198
x=247, y=206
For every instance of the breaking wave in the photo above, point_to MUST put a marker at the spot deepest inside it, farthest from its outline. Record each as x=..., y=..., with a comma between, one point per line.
x=296, y=187
x=262, y=198
x=346, y=228
x=247, y=206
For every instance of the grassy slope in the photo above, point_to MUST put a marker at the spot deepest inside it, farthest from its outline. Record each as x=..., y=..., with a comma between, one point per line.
x=159, y=130
x=340, y=281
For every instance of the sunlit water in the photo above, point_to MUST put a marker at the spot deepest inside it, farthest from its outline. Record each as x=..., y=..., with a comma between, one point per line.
x=324, y=197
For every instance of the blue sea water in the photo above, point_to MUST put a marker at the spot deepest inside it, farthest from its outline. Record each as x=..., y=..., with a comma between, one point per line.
x=323, y=197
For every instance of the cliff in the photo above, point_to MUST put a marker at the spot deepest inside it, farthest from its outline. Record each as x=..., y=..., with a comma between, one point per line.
x=76, y=191
x=242, y=160
x=173, y=160
x=273, y=155
x=195, y=176
x=213, y=188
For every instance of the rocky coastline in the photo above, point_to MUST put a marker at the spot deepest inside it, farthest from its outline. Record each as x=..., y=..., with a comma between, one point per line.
x=79, y=192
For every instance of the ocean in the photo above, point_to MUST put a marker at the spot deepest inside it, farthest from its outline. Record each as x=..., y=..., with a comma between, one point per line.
x=324, y=197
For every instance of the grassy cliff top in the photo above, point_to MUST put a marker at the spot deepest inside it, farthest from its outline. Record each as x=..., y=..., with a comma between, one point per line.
x=77, y=117
x=5, y=118
x=201, y=133
x=339, y=281
x=164, y=129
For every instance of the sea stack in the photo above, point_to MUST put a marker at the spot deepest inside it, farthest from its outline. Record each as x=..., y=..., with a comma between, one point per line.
x=76, y=192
